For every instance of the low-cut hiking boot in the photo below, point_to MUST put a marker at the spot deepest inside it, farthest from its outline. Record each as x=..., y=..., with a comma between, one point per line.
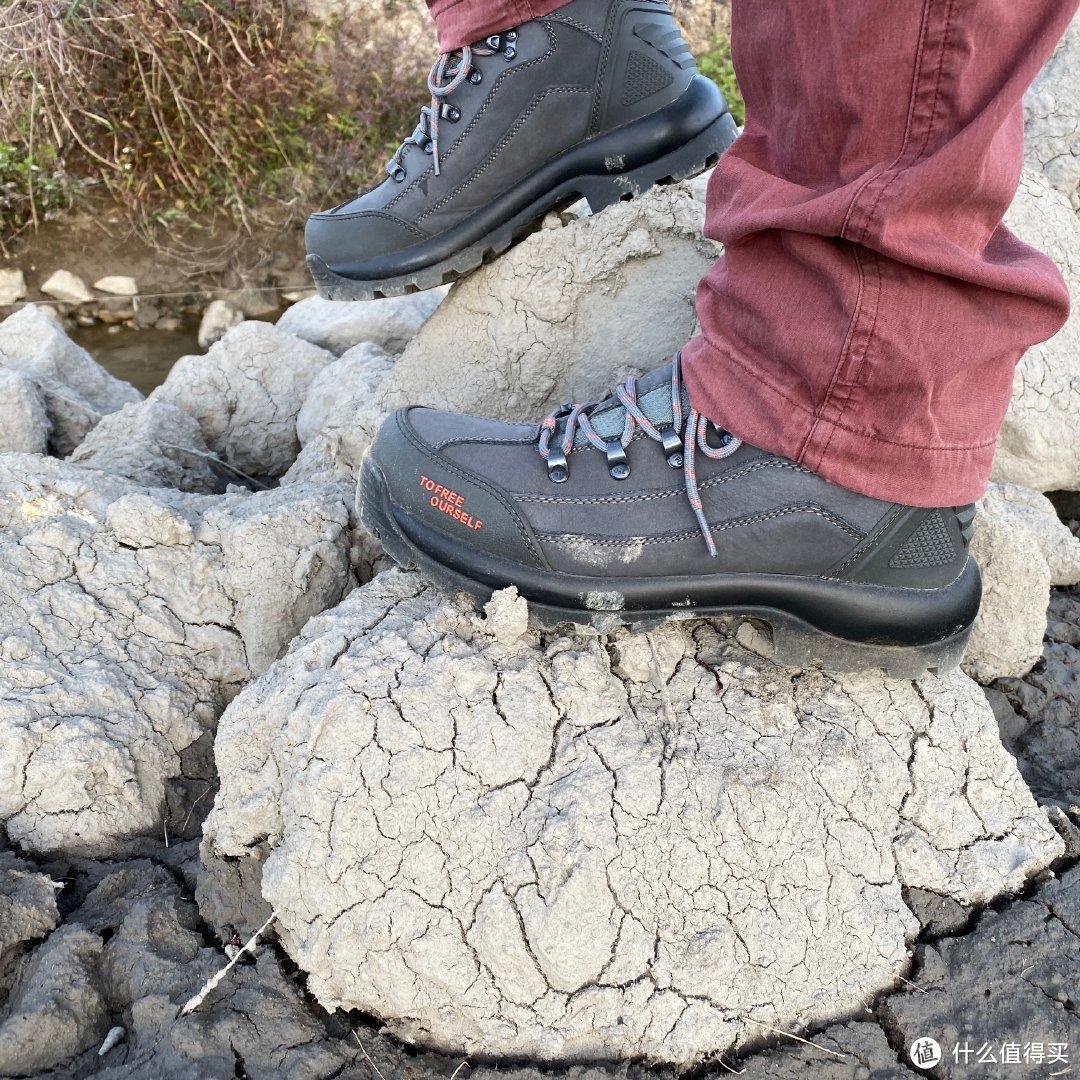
x=600, y=99
x=636, y=509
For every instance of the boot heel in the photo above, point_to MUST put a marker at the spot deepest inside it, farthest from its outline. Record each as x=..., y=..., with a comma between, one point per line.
x=693, y=157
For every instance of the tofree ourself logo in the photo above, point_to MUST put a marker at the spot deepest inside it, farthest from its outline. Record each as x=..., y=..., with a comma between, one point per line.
x=449, y=502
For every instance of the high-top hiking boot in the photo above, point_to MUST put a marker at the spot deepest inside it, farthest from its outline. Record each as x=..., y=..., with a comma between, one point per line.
x=600, y=99
x=637, y=509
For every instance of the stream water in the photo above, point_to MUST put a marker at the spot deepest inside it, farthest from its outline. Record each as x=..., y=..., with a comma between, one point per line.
x=140, y=357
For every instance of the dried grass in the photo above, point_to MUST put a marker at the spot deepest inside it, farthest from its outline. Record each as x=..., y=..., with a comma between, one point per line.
x=195, y=107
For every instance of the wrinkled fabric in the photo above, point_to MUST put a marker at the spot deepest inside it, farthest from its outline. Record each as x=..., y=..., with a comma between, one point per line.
x=870, y=308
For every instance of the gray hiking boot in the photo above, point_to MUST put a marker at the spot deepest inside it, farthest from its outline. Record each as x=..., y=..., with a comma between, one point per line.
x=601, y=100
x=636, y=510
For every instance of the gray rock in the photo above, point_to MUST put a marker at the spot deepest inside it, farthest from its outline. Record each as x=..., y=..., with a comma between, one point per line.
x=27, y=911
x=342, y=389
x=1022, y=549
x=256, y=1024
x=340, y=325
x=254, y=302
x=564, y=315
x=851, y=1051
x=1039, y=715
x=228, y=893
x=155, y=444
x=1052, y=118
x=217, y=320
x=12, y=286
x=1039, y=442
x=77, y=391
x=67, y=287
x=1000, y=984
x=130, y=618
x=24, y=422
x=566, y=848
x=246, y=393
x=939, y=916
x=114, y=310
x=339, y=415
x=56, y=1009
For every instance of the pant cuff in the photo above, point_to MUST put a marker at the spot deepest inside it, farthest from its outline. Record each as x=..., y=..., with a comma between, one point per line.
x=773, y=420
x=461, y=22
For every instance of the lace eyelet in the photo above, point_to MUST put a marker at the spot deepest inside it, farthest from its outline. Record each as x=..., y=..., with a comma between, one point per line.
x=509, y=52
x=557, y=468
x=725, y=437
x=396, y=174
x=673, y=447
x=511, y=36
x=493, y=41
x=616, y=460
x=448, y=112
x=475, y=77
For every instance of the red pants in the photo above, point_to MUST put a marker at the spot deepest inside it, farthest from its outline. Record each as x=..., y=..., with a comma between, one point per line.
x=870, y=308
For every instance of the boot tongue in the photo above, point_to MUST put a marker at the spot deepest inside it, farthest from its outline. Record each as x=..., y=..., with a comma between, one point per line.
x=653, y=398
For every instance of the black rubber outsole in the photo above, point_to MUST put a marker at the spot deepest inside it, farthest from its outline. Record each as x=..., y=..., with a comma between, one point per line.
x=795, y=641
x=599, y=190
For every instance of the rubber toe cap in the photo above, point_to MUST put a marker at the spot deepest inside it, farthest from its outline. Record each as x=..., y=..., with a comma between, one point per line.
x=439, y=494
x=347, y=238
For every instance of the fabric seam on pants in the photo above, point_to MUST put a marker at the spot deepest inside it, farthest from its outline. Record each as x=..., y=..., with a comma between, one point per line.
x=857, y=365
x=852, y=358
x=845, y=350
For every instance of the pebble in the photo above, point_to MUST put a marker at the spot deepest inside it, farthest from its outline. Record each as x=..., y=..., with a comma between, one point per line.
x=116, y=1035
x=117, y=285
x=12, y=287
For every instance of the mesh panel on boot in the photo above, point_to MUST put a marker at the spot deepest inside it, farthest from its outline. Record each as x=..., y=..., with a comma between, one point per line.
x=644, y=77
x=929, y=545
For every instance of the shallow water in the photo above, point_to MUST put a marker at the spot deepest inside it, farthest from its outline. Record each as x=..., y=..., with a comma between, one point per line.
x=140, y=357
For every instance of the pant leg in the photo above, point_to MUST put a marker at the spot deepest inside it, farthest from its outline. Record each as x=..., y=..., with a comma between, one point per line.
x=461, y=22
x=870, y=308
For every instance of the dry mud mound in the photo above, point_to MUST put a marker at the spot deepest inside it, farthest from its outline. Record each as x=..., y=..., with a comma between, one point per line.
x=130, y=617
x=563, y=315
x=573, y=848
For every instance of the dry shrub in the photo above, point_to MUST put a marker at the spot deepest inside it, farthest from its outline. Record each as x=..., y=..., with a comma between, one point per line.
x=176, y=109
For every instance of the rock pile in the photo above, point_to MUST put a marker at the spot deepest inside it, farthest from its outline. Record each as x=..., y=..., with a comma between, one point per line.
x=130, y=951
x=131, y=617
x=75, y=392
x=547, y=847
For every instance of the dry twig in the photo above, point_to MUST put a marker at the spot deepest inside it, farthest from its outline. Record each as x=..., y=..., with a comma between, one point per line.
x=367, y=1057
x=193, y=1003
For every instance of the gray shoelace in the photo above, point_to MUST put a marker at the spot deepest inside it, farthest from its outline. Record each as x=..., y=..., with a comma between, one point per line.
x=682, y=441
x=446, y=75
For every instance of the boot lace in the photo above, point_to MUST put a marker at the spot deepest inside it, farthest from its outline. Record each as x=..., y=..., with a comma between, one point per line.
x=446, y=75
x=681, y=441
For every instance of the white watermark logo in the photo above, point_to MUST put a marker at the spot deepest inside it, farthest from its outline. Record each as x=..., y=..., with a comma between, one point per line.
x=925, y=1053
